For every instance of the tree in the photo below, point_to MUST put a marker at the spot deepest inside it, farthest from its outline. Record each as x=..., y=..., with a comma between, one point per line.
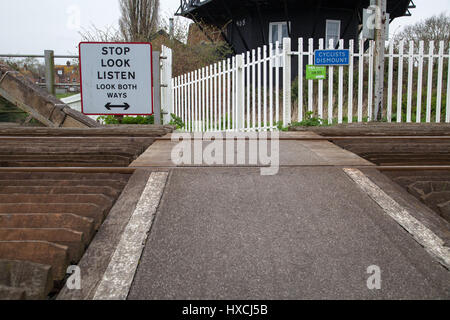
x=436, y=28
x=139, y=20
x=94, y=34
x=30, y=67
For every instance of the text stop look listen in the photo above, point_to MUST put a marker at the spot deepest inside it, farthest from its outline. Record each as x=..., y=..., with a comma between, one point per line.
x=117, y=63
x=116, y=78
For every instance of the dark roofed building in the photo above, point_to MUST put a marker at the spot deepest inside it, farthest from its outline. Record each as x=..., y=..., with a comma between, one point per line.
x=248, y=24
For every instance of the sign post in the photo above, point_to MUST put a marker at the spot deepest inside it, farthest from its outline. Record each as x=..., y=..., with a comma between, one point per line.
x=116, y=78
x=157, y=87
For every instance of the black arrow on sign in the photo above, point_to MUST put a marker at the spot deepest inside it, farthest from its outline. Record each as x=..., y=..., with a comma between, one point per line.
x=125, y=106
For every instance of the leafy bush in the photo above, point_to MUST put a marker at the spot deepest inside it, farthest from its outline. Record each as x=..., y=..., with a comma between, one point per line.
x=139, y=120
x=176, y=121
x=309, y=121
x=108, y=120
x=280, y=126
x=127, y=120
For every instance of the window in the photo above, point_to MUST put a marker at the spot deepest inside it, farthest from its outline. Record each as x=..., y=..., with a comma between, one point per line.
x=333, y=31
x=277, y=32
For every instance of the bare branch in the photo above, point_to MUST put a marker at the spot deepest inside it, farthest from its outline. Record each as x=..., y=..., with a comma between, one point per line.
x=139, y=19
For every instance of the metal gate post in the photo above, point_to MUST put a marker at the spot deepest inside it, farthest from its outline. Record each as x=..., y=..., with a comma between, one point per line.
x=50, y=71
x=156, y=87
x=286, y=82
x=166, y=86
x=240, y=92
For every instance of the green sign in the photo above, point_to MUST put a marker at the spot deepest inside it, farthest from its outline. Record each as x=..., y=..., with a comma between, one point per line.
x=316, y=72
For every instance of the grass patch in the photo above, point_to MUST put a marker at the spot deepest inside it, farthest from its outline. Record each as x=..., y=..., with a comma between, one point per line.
x=127, y=120
x=65, y=95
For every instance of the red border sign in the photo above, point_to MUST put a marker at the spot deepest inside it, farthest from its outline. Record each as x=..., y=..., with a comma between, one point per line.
x=81, y=79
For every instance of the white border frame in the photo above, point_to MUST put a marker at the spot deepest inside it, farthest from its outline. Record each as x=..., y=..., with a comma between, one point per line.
x=332, y=65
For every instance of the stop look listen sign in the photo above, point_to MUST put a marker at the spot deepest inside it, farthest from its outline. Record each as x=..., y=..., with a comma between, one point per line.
x=116, y=78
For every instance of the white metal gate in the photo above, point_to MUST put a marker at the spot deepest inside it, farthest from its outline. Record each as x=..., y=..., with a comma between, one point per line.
x=252, y=91
x=166, y=84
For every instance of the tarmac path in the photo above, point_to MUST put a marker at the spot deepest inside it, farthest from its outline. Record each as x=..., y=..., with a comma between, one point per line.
x=309, y=232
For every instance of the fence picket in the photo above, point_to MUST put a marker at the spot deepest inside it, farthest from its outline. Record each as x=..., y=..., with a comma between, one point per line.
x=208, y=98
x=430, y=80
x=410, y=81
x=247, y=110
x=320, y=89
x=390, y=81
x=229, y=73
x=330, y=88
x=180, y=97
x=175, y=87
x=310, y=82
x=360, y=80
x=233, y=94
x=199, y=105
x=287, y=82
x=277, y=82
x=400, y=82
x=419, y=82
x=271, y=86
x=258, y=86
x=185, y=99
x=341, y=87
x=350, y=83
x=439, y=84
x=300, y=79
x=210, y=89
x=370, y=85
x=217, y=72
x=265, y=86
x=194, y=102
x=447, y=107
x=241, y=113
x=189, y=84
x=220, y=95
x=179, y=108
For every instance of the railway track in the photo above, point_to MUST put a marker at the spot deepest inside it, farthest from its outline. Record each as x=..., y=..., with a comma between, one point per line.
x=57, y=186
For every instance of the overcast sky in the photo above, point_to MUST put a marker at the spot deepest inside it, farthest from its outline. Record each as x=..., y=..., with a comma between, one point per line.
x=31, y=26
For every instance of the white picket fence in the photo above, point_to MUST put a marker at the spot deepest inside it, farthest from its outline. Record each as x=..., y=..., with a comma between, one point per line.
x=252, y=91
